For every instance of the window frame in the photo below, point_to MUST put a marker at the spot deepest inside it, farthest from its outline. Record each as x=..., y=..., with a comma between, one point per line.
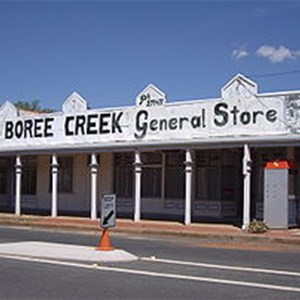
x=123, y=179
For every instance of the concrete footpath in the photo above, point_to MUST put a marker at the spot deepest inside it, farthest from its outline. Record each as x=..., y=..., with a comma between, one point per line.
x=217, y=233
x=55, y=251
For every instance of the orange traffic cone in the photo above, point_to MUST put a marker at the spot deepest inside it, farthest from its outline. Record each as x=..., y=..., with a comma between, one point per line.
x=104, y=244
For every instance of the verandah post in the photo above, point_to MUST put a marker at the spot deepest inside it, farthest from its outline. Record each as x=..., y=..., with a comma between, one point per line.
x=18, y=170
x=137, y=194
x=54, y=173
x=94, y=175
x=188, y=186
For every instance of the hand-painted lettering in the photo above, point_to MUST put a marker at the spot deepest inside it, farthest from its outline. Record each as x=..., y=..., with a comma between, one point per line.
x=145, y=124
x=141, y=124
x=225, y=115
x=116, y=127
x=103, y=123
x=69, y=125
x=92, y=124
x=48, y=130
x=29, y=128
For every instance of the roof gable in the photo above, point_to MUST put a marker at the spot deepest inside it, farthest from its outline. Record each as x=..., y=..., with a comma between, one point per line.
x=74, y=103
x=239, y=85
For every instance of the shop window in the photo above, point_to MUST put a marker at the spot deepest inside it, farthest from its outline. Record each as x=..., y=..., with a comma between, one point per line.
x=229, y=182
x=3, y=176
x=151, y=182
x=3, y=180
x=29, y=175
x=123, y=175
x=65, y=174
x=151, y=174
x=216, y=175
x=208, y=183
x=174, y=175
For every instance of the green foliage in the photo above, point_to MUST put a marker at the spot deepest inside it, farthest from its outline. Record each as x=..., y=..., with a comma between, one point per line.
x=32, y=106
x=256, y=226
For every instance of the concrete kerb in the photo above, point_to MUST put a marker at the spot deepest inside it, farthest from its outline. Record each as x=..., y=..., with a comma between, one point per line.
x=200, y=232
x=222, y=238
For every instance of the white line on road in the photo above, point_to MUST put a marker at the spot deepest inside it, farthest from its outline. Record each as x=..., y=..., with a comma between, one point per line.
x=223, y=267
x=156, y=274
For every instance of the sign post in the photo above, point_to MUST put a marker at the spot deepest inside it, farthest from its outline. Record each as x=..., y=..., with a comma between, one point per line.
x=108, y=211
x=108, y=220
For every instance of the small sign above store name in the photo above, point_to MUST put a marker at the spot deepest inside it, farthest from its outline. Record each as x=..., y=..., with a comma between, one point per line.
x=151, y=96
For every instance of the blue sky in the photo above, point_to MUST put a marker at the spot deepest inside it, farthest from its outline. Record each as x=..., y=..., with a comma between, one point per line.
x=108, y=51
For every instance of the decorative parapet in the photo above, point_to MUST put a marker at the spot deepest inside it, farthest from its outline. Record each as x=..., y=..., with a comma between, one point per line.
x=74, y=103
x=151, y=96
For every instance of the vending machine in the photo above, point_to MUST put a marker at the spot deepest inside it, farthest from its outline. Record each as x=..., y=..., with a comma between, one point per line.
x=280, y=209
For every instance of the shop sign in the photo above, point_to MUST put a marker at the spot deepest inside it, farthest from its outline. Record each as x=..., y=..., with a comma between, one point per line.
x=235, y=114
x=207, y=119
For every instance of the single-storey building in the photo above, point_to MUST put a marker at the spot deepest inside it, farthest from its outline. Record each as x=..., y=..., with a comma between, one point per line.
x=193, y=161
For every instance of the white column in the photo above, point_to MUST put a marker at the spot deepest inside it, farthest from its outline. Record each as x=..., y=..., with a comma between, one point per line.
x=137, y=194
x=188, y=186
x=18, y=170
x=54, y=171
x=94, y=175
x=247, y=187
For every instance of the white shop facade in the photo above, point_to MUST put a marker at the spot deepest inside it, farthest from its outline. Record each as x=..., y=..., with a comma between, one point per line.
x=191, y=161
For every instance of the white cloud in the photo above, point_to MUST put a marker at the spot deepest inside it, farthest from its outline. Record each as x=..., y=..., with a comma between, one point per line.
x=277, y=55
x=297, y=53
x=239, y=53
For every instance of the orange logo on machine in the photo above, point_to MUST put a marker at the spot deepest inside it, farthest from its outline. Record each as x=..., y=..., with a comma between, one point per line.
x=279, y=164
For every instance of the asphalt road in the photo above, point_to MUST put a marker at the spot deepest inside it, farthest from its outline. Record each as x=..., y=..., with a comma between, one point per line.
x=169, y=268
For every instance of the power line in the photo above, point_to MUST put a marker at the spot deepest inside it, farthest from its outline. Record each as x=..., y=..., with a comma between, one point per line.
x=275, y=74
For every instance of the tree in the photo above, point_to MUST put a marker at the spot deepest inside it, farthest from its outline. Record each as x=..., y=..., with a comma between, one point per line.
x=33, y=106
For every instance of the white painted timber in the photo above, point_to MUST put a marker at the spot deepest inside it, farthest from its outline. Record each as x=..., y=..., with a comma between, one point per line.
x=138, y=183
x=18, y=170
x=247, y=186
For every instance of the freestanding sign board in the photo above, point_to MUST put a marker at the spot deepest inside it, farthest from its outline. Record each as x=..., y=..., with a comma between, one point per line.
x=108, y=211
